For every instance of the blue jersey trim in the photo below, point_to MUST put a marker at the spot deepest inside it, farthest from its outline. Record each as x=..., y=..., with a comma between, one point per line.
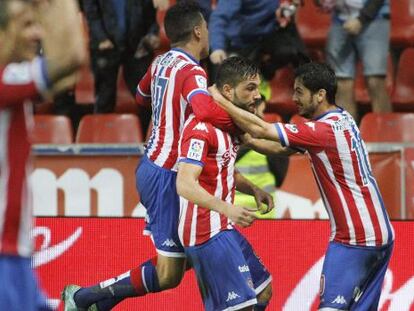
x=187, y=54
x=281, y=138
x=190, y=161
x=337, y=110
x=198, y=91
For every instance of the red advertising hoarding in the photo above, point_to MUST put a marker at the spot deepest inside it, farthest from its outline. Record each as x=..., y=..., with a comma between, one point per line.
x=85, y=251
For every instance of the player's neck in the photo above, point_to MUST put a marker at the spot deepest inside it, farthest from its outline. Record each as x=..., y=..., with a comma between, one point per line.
x=323, y=109
x=190, y=49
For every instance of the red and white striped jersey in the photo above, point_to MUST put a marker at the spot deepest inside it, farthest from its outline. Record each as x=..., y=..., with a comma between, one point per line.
x=343, y=173
x=18, y=84
x=175, y=83
x=216, y=151
x=174, y=78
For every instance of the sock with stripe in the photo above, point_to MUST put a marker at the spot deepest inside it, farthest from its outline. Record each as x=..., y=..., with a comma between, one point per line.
x=113, y=291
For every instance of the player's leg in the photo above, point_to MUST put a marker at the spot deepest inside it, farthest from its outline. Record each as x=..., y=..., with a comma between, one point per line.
x=341, y=288
x=157, y=188
x=375, y=37
x=340, y=55
x=222, y=274
x=262, y=280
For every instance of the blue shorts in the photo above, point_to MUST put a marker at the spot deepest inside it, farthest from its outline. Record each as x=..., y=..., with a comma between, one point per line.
x=352, y=276
x=158, y=193
x=344, y=50
x=229, y=273
x=19, y=289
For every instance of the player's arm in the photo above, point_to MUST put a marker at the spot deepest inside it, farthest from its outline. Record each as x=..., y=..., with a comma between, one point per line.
x=63, y=43
x=246, y=186
x=246, y=120
x=265, y=146
x=143, y=94
x=202, y=104
x=189, y=188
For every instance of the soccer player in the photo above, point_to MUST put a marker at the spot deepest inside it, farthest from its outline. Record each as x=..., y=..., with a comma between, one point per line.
x=229, y=273
x=176, y=85
x=362, y=236
x=24, y=77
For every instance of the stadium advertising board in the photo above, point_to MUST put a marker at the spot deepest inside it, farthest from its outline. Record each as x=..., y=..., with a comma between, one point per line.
x=85, y=251
x=104, y=186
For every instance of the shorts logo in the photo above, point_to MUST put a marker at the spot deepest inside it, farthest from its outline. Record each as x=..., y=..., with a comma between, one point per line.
x=231, y=296
x=169, y=243
x=339, y=300
x=195, y=151
x=244, y=268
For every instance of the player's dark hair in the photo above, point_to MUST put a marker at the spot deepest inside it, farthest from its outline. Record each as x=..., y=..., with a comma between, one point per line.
x=180, y=21
x=316, y=76
x=234, y=70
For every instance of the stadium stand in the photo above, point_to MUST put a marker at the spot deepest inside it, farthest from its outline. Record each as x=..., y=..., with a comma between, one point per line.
x=282, y=90
x=49, y=129
x=388, y=127
x=109, y=128
x=402, y=23
x=403, y=96
x=313, y=25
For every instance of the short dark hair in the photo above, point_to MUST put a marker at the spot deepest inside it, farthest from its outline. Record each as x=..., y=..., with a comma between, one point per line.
x=181, y=19
x=234, y=70
x=316, y=76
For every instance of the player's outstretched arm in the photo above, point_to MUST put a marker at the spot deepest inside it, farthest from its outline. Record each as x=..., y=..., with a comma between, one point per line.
x=246, y=186
x=189, y=188
x=63, y=41
x=265, y=146
x=246, y=120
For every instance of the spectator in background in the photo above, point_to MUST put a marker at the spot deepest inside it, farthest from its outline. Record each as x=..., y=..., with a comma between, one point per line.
x=122, y=32
x=265, y=171
x=360, y=30
x=261, y=30
x=205, y=6
x=25, y=77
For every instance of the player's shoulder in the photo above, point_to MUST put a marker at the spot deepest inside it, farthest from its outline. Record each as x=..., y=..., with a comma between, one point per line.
x=197, y=128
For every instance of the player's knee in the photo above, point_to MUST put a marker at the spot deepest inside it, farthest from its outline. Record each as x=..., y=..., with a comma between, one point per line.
x=266, y=294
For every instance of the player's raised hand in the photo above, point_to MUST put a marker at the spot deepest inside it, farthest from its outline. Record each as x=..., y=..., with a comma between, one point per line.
x=241, y=216
x=262, y=197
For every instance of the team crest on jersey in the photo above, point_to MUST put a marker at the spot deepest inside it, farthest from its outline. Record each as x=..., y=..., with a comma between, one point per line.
x=195, y=151
x=201, y=127
x=201, y=82
x=292, y=127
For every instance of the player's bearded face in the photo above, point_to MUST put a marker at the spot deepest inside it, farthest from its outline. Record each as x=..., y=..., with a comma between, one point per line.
x=304, y=100
x=246, y=94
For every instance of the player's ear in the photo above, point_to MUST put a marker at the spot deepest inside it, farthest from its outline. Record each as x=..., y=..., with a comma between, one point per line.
x=227, y=91
x=321, y=95
x=197, y=32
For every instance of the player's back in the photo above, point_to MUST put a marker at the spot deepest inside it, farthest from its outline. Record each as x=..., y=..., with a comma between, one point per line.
x=175, y=77
x=216, y=152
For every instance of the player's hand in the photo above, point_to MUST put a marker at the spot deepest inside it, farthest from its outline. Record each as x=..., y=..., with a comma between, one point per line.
x=263, y=197
x=241, y=216
x=353, y=26
x=218, y=56
x=105, y=45
x=161, y=4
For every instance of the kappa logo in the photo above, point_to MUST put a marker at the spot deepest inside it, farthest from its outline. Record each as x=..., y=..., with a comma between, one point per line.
x=339, y=300
x=201, y=127
x=169, y=243
x=311, y=125
x=231, y=296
